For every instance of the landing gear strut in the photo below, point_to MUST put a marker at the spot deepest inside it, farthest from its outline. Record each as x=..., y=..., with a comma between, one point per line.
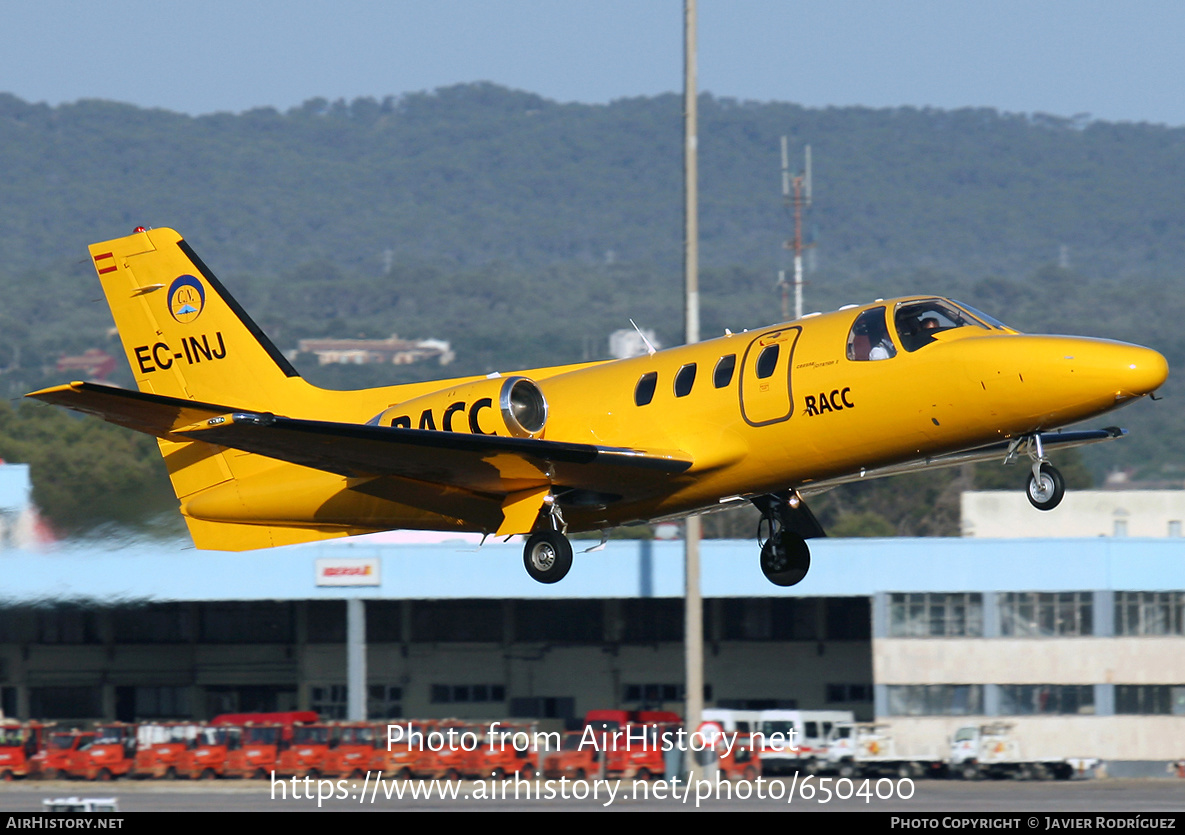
x=548, y=553
x=786, y=522
x=1045, y=487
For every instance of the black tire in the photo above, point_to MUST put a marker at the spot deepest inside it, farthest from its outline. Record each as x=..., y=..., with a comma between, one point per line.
x=580, y=775
x=643, y=774
x=404, y=773
x=1048, y=493
x=970, y=771
x=105, y=775
x=548, y=556
x=207, y=774
x=171, y=773
x=452, y=775
x=785, y=559
x=527, y=772
x=847, y=769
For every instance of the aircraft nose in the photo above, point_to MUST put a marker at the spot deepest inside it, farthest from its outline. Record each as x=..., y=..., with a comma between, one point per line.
x=1142, y=371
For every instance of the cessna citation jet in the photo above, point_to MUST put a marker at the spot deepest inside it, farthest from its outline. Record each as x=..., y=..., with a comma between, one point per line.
x=259, y=457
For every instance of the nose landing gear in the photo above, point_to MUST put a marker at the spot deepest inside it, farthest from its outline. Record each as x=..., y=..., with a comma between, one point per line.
x=1045, y=487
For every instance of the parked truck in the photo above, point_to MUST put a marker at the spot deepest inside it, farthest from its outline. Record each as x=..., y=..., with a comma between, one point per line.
x=868, y=749
x=991, y=750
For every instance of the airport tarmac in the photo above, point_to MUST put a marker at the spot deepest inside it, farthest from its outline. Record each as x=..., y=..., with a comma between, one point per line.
x=1107, y=795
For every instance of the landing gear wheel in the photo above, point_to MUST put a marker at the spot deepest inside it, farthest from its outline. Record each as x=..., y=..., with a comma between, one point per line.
x=548, y=556
x=785, y=558
x=1046, y=492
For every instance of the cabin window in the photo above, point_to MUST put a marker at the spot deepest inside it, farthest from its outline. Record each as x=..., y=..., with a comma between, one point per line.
x=644, y=391
x=869, y=337
x=722, y=376
x=918, y=322
x=767, y=362
x=684, y=380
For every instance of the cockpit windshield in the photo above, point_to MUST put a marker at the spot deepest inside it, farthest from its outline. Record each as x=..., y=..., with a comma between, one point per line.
x=918, y=322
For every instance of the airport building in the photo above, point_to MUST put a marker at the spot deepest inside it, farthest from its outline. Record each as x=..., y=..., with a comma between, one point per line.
x=1079, y=643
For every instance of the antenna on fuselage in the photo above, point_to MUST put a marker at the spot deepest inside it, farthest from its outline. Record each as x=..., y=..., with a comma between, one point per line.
x=796, y=196
x=649, y=347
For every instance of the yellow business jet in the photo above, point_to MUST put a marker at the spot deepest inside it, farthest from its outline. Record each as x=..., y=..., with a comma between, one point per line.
x=259, y=457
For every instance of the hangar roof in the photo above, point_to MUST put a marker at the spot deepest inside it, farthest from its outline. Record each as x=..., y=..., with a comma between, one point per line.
x=841, y=568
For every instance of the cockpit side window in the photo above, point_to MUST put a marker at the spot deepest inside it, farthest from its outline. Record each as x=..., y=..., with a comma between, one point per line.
x=917, y=322
x=869, y=337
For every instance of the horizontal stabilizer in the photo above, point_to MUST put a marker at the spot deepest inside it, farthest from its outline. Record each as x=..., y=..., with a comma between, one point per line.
x=153, y=414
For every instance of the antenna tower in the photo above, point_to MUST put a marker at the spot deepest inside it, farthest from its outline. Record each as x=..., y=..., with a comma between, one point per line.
x=796, y=196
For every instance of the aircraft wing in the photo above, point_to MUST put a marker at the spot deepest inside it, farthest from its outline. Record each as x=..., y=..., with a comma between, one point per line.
x=480, y=463
x=1001, y=452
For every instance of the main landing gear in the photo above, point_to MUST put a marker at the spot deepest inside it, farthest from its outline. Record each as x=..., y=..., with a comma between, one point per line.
x=785, y=525
x=548, y=553
x=1045, y=487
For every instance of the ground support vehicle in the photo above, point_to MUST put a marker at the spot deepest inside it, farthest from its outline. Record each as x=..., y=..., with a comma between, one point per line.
x=260, y=753
x=112, y=754
x=577, y=758
x=511, y=751
x=210, y=753
x=741, y=761
x=405, y=758
x=990, y=750
x=65, y=755
x=794, y=740
x=19, y=746
x=305, y=756
x=867, y=749
x=353, y=750
x=159, y=748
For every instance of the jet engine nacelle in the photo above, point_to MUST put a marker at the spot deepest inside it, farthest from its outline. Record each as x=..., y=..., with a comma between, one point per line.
x=507, y=406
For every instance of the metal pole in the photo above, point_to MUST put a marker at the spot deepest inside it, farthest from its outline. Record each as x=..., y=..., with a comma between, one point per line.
x=355, y=660
x=693, y=634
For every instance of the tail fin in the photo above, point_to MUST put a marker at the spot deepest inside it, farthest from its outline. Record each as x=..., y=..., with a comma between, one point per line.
x=184, y=335
x=187, y=338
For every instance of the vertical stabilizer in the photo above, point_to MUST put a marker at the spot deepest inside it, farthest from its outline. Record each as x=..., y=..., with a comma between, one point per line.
x=183, y=334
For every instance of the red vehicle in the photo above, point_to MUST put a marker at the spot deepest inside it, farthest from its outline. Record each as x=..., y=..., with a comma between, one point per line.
x=740, y=762
x=354, y=750
x=210, y=751
x=112, y=754
x=65, y=755
x=503, y=757
x=19, y=745
x=405, y=758
x=305, y=756
x=160, y=748
x=577, y=758
x=265, y=737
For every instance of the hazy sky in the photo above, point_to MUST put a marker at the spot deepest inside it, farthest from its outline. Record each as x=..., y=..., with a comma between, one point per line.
x=1116, y=61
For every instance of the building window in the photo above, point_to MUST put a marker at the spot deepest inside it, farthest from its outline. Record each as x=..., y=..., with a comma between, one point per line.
x=330, y=701
x=1149, y=613
x=1175, y=527
x=652, y=694
x=936, y=615
x=1033, y=614
x=384, y=701
x=935, y=699
x=444, y=694
x=1165, y=699
x=1035, y=699
x=1120, y=528
x=838, y=693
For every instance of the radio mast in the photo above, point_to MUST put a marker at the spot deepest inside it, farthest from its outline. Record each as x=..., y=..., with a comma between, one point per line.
x=796, y=197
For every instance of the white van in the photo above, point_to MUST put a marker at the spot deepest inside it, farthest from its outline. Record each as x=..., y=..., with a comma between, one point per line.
x=796, y=739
